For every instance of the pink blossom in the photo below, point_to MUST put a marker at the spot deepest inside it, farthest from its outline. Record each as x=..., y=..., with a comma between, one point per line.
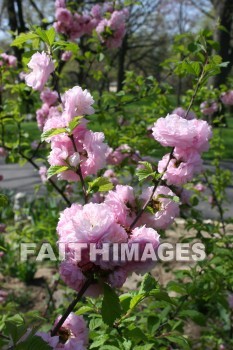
x=185, y=196
x=122, y=202
x=60, y=3
x=227, y=98
x=142, y=236
x=181, y=168
x=3, y=152
x=164, y=208
x=77, y=102
x=182, y=113
x=200, y=187
x=112, y=31
x=96, y=11
x=42, y=66
x=119, y=154
x=43, y=174
x=3, y=296
x=63, y=15
x=109, y=173
x=34, y=145
x=209, y=108
x=76, y=328
x=66, y=56
x=41, y=115
x=71, y=274
x=175, y=131
x=9, y=60
x=2, y=228
x=49, y=97
x=1, y=254
x=118, y=277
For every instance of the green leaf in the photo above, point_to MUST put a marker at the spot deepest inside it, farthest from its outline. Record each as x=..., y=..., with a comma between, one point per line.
x=4, y=201
x=136, y=300
x=111, y=308
x=145, y=172
x=179, y=340
x=50, y=33
x=43, y=35
x=193, y=315
x=101, y=184
x=22, y=38
x=52, y=132
x=33, y=343
x=100, y=341
x=83, y=309
x=74, y=122
x=148, y=284
x=56, y=169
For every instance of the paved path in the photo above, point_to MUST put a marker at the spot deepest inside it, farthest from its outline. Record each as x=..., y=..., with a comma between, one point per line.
x=23, y=179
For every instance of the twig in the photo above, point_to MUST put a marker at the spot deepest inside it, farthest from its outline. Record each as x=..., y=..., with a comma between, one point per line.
x=72, y=306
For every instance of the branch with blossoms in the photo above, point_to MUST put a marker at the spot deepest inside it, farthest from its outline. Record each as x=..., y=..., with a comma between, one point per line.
x=77, y=152
x=108, y=213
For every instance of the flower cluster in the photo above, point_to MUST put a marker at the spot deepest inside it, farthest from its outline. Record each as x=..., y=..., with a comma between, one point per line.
x=8, y=60
x=111, y=31
x=107, y=222
x=189, y=138
x=209, y=108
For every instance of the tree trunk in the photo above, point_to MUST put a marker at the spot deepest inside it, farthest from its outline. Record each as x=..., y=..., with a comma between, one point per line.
x=121, y=63
x=224, y=11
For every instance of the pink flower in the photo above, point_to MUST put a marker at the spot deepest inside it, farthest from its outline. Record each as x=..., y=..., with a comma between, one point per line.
x=63, y=15
x=181, y=168
x=9, y=60
x=118, y=277
x=43, y=174
x=122, y=202
x=200, y=187
x=175, y=131
x=49, y=97
x=90, y=146
x=2, y=228
x=41, y=115
x=143, y=236
x=209, y=108
x=109, y=173
x=227, y=98
x=34, y=145
x=182, y=113
x=1, y=254
x=66, y=56
x=95, y=151
x=111, y=32
x=74, y=328
x=77, y=102
x=119, y=154
x=72, y=275
x=60, y=3
x=42, y=66
x=3, y=152
x=3, y=296
x=96, y=11
x=164, y=208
